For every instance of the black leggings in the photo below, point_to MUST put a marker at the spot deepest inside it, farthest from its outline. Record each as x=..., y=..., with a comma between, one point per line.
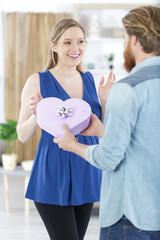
x=65, y=222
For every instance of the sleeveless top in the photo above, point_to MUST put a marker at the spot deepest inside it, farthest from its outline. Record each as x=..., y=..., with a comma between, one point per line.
x=59, y=177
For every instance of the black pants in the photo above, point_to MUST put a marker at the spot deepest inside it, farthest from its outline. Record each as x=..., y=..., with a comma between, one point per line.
x=65, y=222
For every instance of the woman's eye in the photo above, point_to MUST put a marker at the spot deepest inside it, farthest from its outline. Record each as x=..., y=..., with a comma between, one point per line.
x=81, y=41
x=67, y=42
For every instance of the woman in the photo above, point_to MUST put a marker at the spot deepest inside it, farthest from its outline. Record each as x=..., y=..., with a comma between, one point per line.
x=62, y=186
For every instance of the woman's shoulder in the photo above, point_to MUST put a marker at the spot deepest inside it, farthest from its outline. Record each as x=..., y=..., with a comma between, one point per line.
x=32, y=82
x=31, y=86
x=87, y=73
x=89, y=77
x=33, y=79
x=34, y=76
x=43, y=72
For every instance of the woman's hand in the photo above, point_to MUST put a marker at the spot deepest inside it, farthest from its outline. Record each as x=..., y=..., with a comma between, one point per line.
x=34, y=101
x=95, y=128
x=67, y=141
x=103, y=90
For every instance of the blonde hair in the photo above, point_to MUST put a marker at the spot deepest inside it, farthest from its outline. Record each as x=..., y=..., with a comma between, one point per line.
x=144, y=22
x=57, y=30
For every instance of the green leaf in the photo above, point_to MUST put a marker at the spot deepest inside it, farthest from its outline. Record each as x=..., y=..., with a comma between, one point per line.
x=8, y=133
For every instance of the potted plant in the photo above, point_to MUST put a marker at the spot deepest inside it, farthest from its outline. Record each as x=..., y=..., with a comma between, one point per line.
x=8, y=134
x=110, y=60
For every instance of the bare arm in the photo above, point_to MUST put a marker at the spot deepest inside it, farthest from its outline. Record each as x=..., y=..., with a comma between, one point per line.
x=27, y=123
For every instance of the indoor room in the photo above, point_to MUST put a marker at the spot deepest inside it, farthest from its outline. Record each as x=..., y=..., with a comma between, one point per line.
x=25, y=40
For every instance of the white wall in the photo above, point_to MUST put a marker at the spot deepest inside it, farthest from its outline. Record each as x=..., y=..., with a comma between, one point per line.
x=59, y=5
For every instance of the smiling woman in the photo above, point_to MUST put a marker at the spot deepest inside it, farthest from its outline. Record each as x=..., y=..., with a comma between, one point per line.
x=62, y=186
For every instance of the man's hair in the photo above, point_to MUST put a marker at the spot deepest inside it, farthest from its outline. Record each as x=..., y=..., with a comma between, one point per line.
x=144, y=22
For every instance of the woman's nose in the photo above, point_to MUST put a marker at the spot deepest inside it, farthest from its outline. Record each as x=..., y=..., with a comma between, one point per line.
x=75, y=47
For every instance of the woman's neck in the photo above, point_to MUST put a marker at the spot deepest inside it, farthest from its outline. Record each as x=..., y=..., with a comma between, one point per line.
x=66, y=72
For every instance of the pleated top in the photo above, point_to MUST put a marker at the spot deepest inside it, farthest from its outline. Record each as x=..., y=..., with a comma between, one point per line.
x=59, y=177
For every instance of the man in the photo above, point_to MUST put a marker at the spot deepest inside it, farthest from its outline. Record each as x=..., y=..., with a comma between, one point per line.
x=129, y=151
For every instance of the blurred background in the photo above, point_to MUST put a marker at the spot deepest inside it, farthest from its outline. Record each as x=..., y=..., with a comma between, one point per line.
x=24, y=42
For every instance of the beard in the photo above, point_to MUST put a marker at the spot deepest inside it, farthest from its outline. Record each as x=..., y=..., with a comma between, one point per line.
x=129, y=59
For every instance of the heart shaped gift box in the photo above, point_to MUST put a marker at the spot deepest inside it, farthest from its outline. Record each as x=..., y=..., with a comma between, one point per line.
x=52, y=113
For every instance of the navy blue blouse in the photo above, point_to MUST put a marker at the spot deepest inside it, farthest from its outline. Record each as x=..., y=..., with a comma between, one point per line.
x=60, y=177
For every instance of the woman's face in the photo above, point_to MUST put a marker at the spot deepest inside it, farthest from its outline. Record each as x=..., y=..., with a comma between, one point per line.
x=70, y=47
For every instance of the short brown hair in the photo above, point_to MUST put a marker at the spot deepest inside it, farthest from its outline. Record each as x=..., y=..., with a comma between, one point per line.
x=144, y=22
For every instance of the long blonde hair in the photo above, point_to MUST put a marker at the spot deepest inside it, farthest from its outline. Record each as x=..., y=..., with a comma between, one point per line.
x=57, y=30
x=144, y=22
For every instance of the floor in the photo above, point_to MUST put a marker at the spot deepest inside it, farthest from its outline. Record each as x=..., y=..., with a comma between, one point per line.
x=17, y=226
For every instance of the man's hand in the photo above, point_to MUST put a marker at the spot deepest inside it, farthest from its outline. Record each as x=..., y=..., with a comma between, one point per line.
x=67, y=141
x=95, y=128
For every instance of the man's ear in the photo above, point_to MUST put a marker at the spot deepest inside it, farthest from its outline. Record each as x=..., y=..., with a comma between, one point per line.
x=134, y=40
x=53, y=46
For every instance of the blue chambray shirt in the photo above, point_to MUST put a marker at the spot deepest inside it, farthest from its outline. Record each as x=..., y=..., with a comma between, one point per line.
x=129, y=152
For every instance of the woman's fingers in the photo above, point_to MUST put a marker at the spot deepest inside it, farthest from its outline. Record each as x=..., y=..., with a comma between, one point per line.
x=111, y=77
x=33, y=104
x=113, y=80
x=101, y=83
x=39, y=96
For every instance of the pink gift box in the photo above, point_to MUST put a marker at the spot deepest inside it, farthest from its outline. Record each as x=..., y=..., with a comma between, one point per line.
x=52, y=113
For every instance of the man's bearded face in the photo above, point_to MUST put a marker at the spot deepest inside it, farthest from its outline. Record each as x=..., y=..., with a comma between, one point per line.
x=129, y=60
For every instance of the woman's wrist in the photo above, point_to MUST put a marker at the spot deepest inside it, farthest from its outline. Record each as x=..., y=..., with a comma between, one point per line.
x=103, y=101
x=33, y=117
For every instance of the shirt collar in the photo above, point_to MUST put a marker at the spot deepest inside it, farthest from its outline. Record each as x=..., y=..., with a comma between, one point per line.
x=155, y=60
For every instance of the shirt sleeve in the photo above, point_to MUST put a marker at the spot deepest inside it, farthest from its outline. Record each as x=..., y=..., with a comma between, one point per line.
x=120, y=119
